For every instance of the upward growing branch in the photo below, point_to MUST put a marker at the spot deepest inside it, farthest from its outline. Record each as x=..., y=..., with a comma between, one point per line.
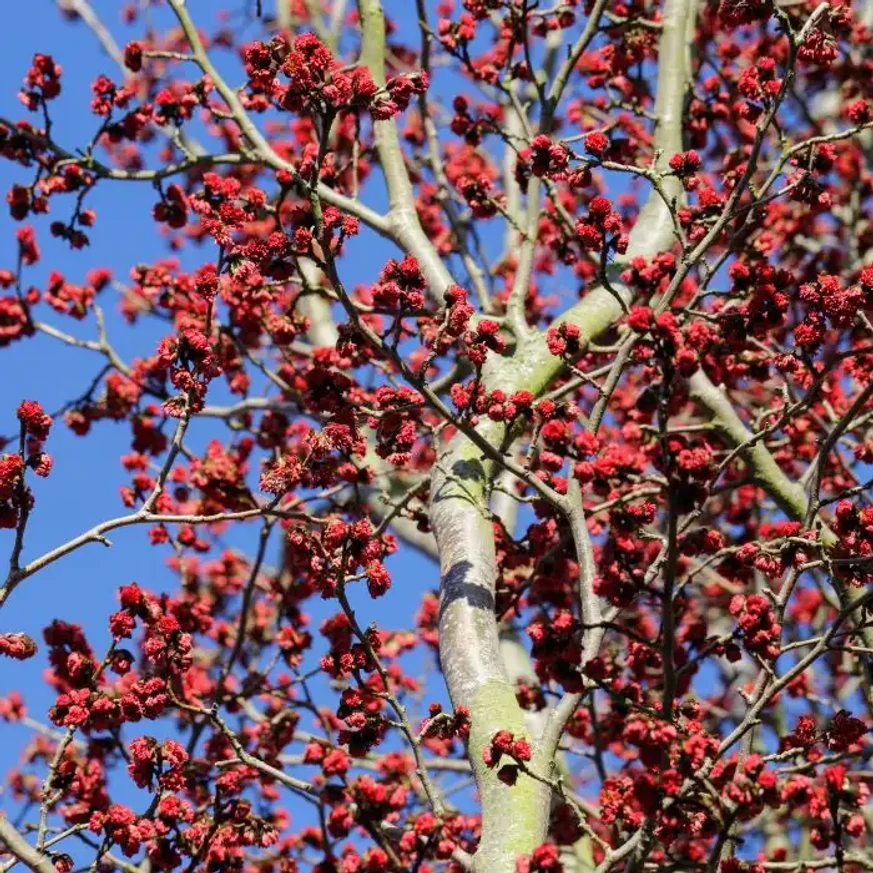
x=460, y=517
x=402, y=216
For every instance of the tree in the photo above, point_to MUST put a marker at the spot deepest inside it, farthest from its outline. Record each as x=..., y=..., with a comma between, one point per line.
x=614, y=377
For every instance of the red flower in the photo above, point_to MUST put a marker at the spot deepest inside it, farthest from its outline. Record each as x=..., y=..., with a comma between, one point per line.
x=596, y=144
x=133, y=56
x=35, y=421
x=18, y=646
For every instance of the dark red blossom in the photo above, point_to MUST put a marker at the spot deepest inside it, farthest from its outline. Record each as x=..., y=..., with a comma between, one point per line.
x=34, y=420
x=596, y=144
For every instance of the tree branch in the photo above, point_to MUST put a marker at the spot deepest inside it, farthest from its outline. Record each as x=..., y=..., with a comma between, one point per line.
x=403, y=220
x=22, y=850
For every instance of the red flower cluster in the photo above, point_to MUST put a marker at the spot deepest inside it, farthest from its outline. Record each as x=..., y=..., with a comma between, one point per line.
x=148, y=760
x=504, y=743
x=42, y=83
x=602, y=227
x=316, y=82
x=34, y=421
x=544, y=859
x=565, y=340
x=18, y=646
x=844, y=732
x=757, y=624
x=828, y=301
x=401, y=285
x=737, y=12
x=596, y=144
x=484, y=338
x=543, y=158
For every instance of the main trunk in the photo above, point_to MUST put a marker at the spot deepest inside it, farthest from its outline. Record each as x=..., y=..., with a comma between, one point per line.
x=514, y=818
